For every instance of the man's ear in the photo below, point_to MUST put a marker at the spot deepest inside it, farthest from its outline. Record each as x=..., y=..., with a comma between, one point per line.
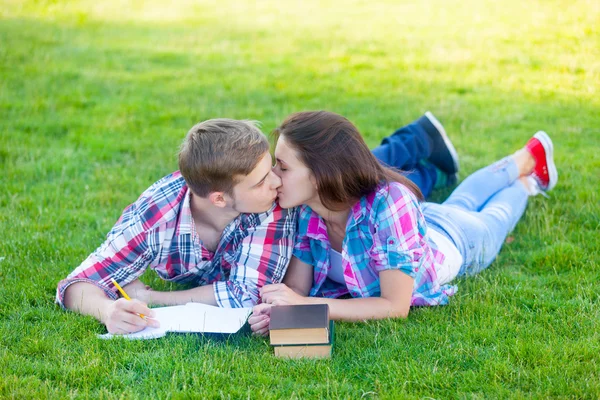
x=217, y=199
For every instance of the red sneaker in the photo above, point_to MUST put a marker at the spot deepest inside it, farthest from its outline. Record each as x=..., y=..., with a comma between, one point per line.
x=540, y=147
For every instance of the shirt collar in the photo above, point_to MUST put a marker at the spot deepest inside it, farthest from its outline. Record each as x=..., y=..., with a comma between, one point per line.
x=357, y=213
x=317, y=229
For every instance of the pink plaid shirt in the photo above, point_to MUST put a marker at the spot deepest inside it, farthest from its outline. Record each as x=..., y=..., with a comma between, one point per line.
x=157, y=232
x=385, y=230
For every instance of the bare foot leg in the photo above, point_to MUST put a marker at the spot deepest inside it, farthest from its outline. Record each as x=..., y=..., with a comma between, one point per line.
x=527, y=183
x=525, y=162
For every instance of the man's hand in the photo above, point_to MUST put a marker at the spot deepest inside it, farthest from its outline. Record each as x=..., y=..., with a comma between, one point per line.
x=279, y=294
x=260, y=318
x=123, y=316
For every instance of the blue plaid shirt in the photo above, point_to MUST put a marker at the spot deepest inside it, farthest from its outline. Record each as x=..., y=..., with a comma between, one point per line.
x=385, y=230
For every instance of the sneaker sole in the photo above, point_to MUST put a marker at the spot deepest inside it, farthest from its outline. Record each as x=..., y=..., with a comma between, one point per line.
x=549, y=149
x=447, y=141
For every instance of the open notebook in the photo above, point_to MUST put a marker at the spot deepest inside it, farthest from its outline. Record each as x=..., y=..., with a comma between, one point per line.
x=192, y=318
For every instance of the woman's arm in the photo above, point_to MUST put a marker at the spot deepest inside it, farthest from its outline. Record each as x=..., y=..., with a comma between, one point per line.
x=299, y=276
x=298, y=280
x=394, y=302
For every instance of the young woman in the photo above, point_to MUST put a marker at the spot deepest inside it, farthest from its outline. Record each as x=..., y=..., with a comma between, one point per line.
x=364, y=234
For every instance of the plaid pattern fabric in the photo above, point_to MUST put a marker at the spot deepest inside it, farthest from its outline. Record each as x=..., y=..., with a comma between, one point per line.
x=385, y=230
x=157, y=232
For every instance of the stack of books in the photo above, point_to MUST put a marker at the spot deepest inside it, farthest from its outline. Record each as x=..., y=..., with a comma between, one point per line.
x=301, y=331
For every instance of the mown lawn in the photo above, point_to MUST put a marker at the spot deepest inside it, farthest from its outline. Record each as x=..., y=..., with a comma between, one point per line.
x=95, y=98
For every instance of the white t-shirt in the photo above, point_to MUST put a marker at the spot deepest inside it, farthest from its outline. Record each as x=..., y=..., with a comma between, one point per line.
x=453, y=259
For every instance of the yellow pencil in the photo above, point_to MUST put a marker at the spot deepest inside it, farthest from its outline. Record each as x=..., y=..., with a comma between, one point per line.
x=125, y=295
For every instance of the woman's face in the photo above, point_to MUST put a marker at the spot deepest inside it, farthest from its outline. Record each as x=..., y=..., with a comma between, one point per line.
x=298, y=185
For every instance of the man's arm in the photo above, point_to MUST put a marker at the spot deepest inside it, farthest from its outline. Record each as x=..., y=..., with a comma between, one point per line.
x=88, y=290
x=201, y=294
x=124, y=256
x=120, y=316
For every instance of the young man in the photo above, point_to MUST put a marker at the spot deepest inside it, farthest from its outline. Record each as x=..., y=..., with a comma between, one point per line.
x=214, y=223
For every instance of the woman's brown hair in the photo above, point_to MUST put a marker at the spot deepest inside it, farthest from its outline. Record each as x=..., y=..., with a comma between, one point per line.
x=334, y=150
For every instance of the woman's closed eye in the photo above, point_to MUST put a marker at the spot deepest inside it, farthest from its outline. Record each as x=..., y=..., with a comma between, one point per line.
x=279, y=166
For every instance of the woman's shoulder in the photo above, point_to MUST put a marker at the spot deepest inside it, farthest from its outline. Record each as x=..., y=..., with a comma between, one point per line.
x=393, y=192
x=388, y=199
x=392, y=204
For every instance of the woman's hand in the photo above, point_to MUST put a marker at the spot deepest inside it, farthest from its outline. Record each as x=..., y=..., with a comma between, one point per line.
x=260, y=318
x=279, y=294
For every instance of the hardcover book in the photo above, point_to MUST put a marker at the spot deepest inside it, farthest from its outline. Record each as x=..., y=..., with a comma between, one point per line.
x=299, y=324
x=315, y=350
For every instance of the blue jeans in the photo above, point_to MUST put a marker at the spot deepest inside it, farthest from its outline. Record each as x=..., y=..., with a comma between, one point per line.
x=406, y=149
x=480, y=213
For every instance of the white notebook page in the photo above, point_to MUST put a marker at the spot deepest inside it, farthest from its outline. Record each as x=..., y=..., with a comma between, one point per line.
x=192, y=317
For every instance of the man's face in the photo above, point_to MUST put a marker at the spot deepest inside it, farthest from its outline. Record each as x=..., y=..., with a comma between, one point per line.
x=257, y=191
x=297, y=183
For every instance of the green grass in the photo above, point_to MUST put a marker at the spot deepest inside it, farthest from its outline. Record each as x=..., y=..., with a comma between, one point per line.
x=95, y=98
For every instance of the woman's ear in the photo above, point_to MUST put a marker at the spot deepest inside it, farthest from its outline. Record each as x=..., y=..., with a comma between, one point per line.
x=313, y=181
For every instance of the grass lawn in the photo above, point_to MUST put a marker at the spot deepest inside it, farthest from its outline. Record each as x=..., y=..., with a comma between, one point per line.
x=95, y=98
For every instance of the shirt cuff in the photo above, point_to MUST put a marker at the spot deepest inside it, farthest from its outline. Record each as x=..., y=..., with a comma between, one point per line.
x=65, y=283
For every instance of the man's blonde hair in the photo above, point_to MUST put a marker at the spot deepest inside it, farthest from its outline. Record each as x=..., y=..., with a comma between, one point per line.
x=217, y=153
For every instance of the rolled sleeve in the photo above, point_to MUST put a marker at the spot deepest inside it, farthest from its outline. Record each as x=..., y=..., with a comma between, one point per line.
x=65, y=283
x=124, y=256
x=302, y=250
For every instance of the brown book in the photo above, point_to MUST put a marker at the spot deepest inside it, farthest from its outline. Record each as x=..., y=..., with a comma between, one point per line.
x=319, y=350
x=299, y=324
x=304, y=351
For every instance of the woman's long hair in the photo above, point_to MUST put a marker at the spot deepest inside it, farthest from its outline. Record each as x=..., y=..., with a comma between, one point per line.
x=333, y=149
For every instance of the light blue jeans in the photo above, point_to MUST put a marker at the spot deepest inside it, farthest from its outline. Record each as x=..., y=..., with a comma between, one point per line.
x=480, y=213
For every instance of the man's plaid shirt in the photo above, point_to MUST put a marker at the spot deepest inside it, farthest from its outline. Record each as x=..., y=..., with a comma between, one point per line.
x=157, y=232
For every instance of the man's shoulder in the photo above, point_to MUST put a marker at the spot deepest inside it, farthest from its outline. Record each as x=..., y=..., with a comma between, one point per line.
x=160, y=202
x=166, y=187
